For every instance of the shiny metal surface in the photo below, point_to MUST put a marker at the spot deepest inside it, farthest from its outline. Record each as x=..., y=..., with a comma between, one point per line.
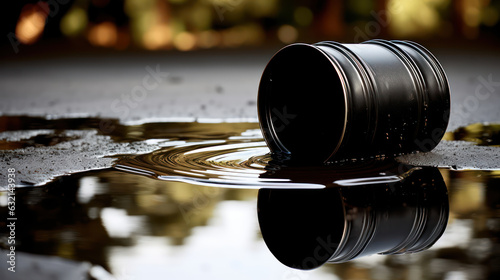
x=377, y=98
x=399, y=213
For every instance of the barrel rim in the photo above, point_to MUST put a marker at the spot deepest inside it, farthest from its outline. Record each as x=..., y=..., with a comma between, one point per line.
x=270, y=136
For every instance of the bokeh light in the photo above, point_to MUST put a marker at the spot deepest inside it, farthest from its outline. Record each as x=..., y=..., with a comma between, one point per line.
x=104, y=34
x=209, y=39
x=303, y=16
x=203, y=24
x=287, y=34
x=490, y=16
x=31, y=22
x=185, y=41
x=74, y=22
x=157, y=37
x=408, y=18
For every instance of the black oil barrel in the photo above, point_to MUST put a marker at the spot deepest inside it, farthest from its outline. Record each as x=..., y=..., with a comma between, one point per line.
x=328, y=101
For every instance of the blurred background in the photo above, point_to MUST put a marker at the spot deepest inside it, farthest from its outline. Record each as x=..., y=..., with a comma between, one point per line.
x=187, y=25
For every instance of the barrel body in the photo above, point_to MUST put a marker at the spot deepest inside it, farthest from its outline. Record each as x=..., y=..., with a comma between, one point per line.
x=330, y=101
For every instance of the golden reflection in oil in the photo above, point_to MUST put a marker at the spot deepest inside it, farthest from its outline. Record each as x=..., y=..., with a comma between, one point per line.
x=31, y=22
x=466, y=192
x=174, y=208
x=479, y=133
x=104, y=34
x=468, y=253
x=446, y=176
x=468, y=196
x=65, y=250
x=353, y=272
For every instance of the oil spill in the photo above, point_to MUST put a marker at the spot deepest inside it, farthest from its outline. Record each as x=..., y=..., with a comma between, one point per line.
x=81, y=144
x=182, y=228
x=132, y=225
x=127, y=133
x=215, y=154
x=479, y=133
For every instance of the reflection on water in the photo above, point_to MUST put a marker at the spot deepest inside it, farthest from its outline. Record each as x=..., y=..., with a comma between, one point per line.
x=127, y=133
x=397, y=214
x=137, y=227
x=223, y=163
x=480, y=133
x=133, y=225
x=93, y=216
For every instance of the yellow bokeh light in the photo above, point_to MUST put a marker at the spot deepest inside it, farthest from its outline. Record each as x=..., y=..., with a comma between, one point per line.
x=254, y=34
x=303, y=16
x=157, y=37
x=233, y=37
x=135, y=8
x=185, y=41
x=412, y=18
x=472, y=16
x=287, y=34
x=199, y=17
x=104, y=34
x=74, y=22
x=209, y=39
x=490, y=16
x=31, y=24
x=258, y=8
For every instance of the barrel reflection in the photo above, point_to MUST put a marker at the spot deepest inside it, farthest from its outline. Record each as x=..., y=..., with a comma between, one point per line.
x=356, y=214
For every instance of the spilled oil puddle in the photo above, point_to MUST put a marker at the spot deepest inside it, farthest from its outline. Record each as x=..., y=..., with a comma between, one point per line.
x=244, y=161
x=481, y=134
x=171, y=222
x=222, y=154
x=41, y=150
x=223, y=163
x=137, y=228
x=127, y=133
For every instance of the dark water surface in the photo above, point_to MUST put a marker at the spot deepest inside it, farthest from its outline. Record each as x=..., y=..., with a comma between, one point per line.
x=190, y=210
